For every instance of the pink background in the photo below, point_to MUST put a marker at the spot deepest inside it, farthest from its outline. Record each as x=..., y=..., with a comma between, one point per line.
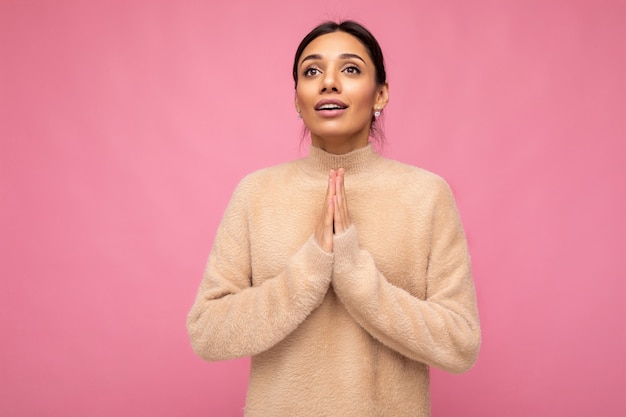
x=124, y=127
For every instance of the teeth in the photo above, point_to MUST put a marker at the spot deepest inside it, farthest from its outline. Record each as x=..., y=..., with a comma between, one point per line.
x=329, y=107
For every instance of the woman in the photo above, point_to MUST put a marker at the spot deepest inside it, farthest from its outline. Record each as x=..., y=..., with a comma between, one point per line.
x=345, y=275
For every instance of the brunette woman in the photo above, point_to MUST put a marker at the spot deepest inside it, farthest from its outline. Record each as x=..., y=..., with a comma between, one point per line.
x=344, y=274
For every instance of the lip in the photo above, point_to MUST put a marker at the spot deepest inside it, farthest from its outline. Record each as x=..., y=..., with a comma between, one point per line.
x=330, y=101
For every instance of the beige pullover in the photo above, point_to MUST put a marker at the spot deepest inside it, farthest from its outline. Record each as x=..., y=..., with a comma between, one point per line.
x=348, y=333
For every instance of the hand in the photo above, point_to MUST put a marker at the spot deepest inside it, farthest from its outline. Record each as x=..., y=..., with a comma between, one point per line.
x=341, y=216
x=324, y=228
x=335, y=217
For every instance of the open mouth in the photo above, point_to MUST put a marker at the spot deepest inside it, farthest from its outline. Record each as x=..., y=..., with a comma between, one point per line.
x=330, y=106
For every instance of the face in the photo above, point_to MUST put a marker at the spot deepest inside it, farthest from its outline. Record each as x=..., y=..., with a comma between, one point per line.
x=337, y=92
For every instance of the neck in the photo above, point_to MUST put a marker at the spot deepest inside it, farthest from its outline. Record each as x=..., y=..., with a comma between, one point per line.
x=319, y=162
x=339, y=145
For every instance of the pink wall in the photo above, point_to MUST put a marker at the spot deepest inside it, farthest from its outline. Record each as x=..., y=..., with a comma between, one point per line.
x=124, y=127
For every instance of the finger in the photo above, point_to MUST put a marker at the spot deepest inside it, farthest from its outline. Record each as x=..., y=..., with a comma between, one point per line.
x=324, y=232
x=329, y=212
x=332, y=188
x=330, y=192
x=324, y=228
x=327, y=230
x=337, y=216
x=342, y=202
x=332, y=175
x=339, y=186
x=338, y=220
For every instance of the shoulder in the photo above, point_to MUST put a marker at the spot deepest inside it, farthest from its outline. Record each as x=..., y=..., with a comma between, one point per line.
x=264, y=179
x=410, y=177
x=420, y=190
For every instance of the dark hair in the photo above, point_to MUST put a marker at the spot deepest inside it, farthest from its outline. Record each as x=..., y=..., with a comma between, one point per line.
x=365, y=37
x=355, y=29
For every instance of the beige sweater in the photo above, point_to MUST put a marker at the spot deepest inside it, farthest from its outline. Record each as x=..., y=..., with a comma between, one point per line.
x=348, y=333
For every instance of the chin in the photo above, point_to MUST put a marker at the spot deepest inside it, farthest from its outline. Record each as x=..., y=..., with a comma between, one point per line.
x=334, y=132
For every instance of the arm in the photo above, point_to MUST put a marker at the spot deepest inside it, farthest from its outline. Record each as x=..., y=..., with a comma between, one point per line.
x=442, y=330
x=230, y=318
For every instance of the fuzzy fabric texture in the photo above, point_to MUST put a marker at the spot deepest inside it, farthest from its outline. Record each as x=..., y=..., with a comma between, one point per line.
x=348, y=333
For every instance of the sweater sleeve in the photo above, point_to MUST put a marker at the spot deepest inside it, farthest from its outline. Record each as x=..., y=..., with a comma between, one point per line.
x=443, y=329
x=232, y=318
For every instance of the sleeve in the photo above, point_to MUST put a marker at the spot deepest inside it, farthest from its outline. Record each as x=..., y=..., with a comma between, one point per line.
x=442, y=330
x=231, y=318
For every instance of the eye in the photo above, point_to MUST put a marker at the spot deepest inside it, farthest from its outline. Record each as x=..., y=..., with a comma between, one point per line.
x=310, y=72
x=352, y=69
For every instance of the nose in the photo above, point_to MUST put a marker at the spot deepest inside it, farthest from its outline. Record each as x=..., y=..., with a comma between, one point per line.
x=330, y=82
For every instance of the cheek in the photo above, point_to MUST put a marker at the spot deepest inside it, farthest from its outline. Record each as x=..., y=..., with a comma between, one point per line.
x=304, y=94
x=362, y=96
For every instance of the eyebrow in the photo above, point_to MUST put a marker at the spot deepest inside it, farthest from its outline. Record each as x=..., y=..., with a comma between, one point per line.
x=342, y=56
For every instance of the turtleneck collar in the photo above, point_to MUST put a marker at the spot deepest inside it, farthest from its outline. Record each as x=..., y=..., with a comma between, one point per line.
x=320, y=162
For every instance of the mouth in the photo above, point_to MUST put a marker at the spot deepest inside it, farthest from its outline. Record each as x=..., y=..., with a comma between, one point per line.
x=330, y=107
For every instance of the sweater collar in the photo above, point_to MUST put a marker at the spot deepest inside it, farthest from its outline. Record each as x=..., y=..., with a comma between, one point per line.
x=320, y=162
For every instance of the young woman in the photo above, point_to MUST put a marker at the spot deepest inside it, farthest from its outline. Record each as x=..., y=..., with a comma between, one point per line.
x=345, y=275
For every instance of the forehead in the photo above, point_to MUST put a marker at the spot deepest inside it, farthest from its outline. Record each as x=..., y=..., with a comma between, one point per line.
x=331, y=45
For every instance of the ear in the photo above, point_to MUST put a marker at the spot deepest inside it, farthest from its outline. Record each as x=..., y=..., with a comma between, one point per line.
x=295, y=102
x=382, y=96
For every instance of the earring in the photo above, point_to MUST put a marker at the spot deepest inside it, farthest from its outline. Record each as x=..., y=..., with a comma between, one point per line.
x=299, y=115
x=377, y=112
